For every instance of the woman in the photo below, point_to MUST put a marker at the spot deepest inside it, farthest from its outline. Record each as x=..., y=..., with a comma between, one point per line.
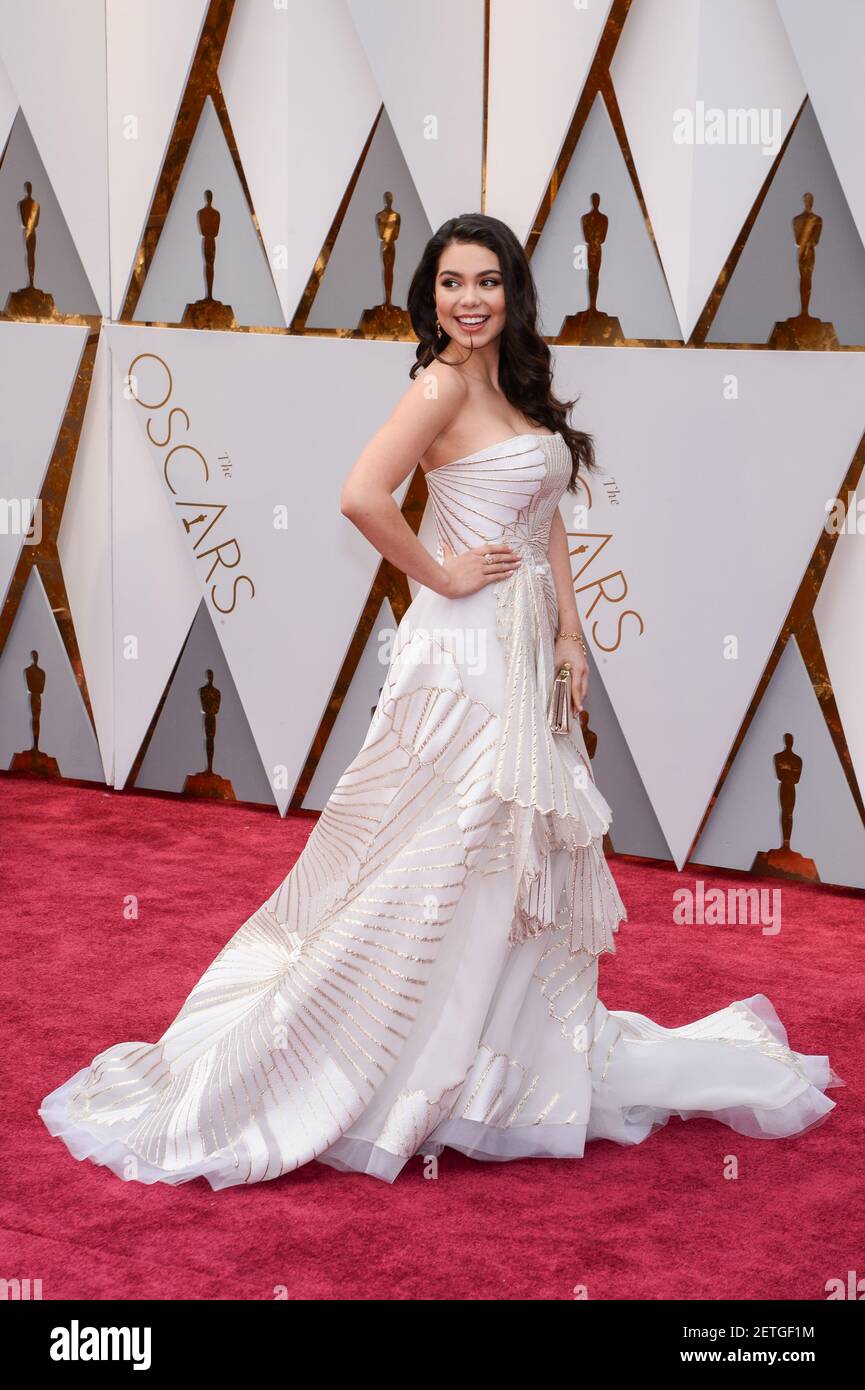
x=426, y=973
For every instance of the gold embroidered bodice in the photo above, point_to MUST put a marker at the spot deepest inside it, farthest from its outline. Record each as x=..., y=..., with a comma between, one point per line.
x=506, y=492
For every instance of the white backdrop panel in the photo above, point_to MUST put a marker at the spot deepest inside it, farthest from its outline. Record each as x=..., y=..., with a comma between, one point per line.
x=58, y=267
x=241, y=274
x=433, y=91
x=178, y=748
x=353, y=278
x=278, y=422
x=635, y=828
x=764, y=286
x=355, y=713
x=726, y=54
x=632, y=284
x=54, y=55
x=721, y=502
x=300, y=74
x=8, y=105
x=540, y=55
x=155, y=591
x=149, y=53
x=41, y=361
x=839, y=613
x=746, y=819
x=84, y=546
x=828, y=41
x=65, y=731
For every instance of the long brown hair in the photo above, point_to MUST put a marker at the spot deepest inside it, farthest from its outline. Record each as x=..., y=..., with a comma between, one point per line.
x=525, y=373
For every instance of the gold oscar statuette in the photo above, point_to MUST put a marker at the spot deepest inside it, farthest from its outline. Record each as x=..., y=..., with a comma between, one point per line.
x=592, y=326
x=784, y=862
x=30, y=303
x=34, y=760
x=209, y=312
x=386, y=320
x=209, y=783
x=803, y=331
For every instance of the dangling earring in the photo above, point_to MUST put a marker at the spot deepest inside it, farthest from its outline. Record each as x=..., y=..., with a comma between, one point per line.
x=439, y=330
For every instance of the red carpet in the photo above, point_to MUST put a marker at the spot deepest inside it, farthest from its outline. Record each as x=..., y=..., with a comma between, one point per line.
x=656, y=1221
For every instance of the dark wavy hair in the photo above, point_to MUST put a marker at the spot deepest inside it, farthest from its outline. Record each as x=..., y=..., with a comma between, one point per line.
x=525, y=373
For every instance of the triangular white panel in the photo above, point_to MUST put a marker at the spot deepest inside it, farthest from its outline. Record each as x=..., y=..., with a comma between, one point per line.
x=828, y=41
x=242, y=275
x=54, y=55
x=634, y=828
x=298, y=72
x=632, y=286
x=433, y=90
x=353, y=278
x=84, y=545
x=540, y=55
x=65, y=731
x=839, y=612
x=746, y=819
x=178, y=747
x=718, y=468
x=150, y=52
x=258, y=455
x=57, y=266
x=8, y=105
x=33, y=401
x=764, y=287
x=702, y=57
x=155, y=591
x=355, y=714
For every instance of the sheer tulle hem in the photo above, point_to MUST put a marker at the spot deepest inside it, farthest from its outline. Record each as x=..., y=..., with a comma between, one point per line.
x=114, y=1153
x=470, y=1137
x=609, y=1118
x=635, y=1124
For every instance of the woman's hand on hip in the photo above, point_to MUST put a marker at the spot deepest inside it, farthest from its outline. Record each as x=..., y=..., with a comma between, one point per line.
x=470, y=570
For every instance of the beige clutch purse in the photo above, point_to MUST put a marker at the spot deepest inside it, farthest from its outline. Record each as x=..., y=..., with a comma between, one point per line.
x=560, y=700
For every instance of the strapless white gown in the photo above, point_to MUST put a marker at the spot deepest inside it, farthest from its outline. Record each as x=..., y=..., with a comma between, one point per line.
x=426, y=974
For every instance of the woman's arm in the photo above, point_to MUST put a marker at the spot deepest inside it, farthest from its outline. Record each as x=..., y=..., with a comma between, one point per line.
x=567, y=649
x=428, y=406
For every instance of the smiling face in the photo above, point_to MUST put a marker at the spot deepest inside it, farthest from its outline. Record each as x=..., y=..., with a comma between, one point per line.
x=470, y=294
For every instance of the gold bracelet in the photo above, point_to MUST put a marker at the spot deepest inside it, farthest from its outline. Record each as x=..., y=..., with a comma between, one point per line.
x=574, y=637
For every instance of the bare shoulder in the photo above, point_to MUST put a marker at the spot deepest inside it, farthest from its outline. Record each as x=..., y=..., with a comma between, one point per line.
x=426, y=408
x=432, y=402
x=440, y=382
x=429, y=404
